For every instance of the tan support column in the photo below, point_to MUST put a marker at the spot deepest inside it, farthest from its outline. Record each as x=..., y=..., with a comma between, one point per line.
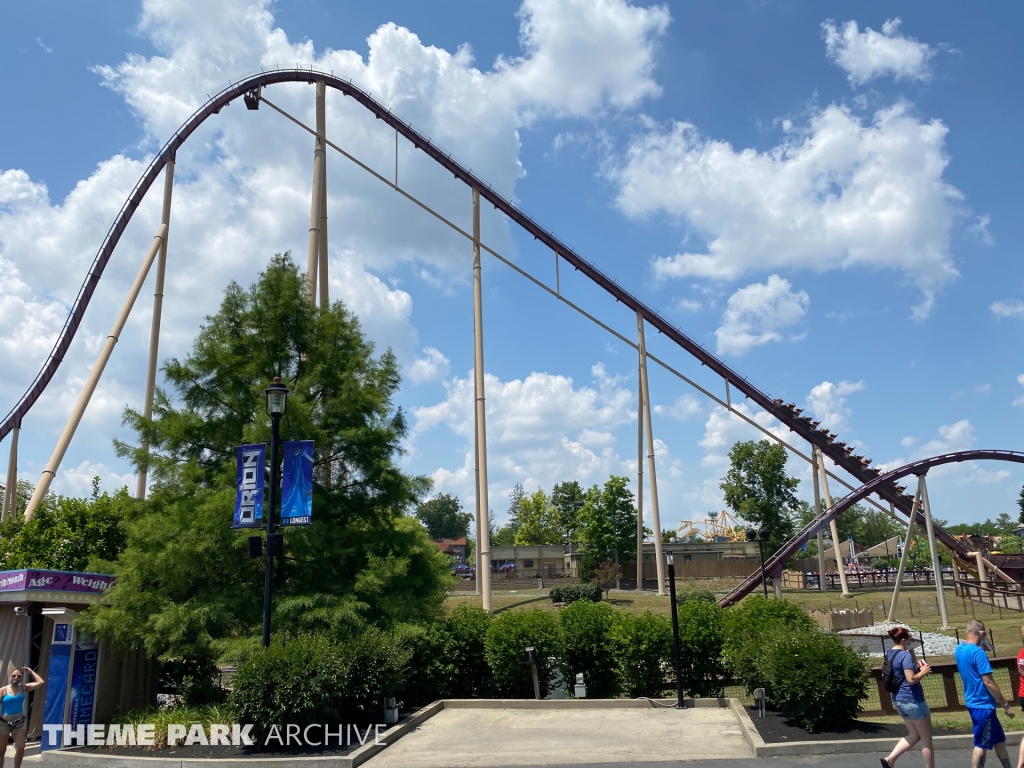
x=639, y=479
x=936, y=563
x=653, y=477
x=907, y=543
x=822, y=581
x=832, y=524
x=319, y=158
x=321, y=132
x=10, y=507
x=90, y=386
x=154, y=334
x=484, y=575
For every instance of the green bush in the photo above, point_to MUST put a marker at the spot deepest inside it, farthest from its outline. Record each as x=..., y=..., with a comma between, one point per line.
x=448, y=659
x=701, y=637
x=642, y=646
x=748, y=624
x=508, y=636
x=587, y=647
x=570, y=593
x=814, y=678
x=313, y=680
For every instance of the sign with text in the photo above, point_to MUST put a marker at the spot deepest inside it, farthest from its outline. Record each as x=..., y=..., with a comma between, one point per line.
x=297, y=483
x=249, y=500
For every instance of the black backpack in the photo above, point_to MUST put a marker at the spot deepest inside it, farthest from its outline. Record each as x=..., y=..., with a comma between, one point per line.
x=890, y=679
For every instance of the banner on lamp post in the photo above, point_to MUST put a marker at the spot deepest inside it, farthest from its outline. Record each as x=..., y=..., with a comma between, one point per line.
x=297, y=483
x=249, y=499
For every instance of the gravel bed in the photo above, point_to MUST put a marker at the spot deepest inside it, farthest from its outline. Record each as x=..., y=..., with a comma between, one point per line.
x=871, y=639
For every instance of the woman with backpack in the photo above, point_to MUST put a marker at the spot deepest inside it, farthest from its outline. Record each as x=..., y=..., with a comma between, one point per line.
x=902, y=675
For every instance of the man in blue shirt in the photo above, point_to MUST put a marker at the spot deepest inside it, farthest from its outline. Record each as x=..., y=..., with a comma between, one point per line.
x=982, y=695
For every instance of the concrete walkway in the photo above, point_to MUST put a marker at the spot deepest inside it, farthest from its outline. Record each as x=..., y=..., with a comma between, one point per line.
x=474, y=738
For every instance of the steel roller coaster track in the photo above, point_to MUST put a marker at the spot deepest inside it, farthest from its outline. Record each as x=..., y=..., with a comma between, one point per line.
x=787, y=413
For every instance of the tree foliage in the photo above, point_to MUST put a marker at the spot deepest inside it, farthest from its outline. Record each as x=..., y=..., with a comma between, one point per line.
x=758, y=489
x=443, y=517
x=186, y=587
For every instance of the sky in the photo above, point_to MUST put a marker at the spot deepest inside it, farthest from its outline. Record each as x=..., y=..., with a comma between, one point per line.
x=824, y=195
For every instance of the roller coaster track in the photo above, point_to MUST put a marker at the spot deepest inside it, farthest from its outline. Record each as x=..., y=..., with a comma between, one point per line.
x=787, y=413
x=773, y=566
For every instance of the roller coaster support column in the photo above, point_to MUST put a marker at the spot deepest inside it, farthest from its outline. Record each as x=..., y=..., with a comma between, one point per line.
x=321, y=132
x=936, y=564
x=483, y=537
x=319, y=158
x=639, y=476
x=90, y=386
x=10, y=507
x=832, y=524
x=645, y=394
x=907, y=544
x=154, y=334
x=822, y=581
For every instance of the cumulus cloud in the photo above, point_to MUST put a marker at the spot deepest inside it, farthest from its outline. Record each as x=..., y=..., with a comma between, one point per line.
x=433, y=366
x=827, y=401
x=758, y=314
x=870, y=54
x=840, y=192
x=1008, y=308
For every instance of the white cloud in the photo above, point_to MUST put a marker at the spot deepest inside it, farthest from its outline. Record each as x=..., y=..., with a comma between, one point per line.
x=827, y=401
x=433, y=367
x=839, y=193
x=1008, y=308
x=684, y=408
x=870, y=54
x=758, y=314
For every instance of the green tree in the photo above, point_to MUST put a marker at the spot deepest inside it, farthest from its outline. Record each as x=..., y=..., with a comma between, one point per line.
x=758, y=489
x=186, y=588
x=567, y=499
x=443, y=517
x=607, y=524
x=68, y=534
x=538, y=520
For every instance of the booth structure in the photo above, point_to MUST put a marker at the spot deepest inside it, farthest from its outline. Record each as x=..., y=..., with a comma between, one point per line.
x=87, y=681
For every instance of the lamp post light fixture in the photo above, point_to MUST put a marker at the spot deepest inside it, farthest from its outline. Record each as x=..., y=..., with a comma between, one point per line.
x=670, y=562
x=760, y=536
x=277, y=403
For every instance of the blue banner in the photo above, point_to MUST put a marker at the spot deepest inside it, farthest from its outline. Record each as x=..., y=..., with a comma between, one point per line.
x=83, y=680
x=57, y=681
x=297, y=483
x=249, y=501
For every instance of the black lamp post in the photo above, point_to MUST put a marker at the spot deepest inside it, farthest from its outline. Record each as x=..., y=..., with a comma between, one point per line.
x=759, y=536
x=277, y=402
x=670, y=561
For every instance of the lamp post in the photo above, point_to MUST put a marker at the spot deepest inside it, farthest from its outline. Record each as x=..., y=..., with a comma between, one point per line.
x=670, y=561
x=277, y=402
x=759, y=536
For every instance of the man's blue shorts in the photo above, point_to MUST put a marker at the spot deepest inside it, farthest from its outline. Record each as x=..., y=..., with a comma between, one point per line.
x=988, y=731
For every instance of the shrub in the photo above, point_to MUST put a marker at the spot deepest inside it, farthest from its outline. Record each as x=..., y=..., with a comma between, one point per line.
x=748, y=624
x=701, y=637
x=570, y=593
x=641, y=644
x=587, y=647
x=814, y=678
x=448, y=659
x=508, y=636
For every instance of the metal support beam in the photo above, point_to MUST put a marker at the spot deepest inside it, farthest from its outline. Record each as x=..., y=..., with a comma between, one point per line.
x=90, y=386
x=639, y=474
x=822, y=581
x=480, y=414
x=10, y=508
x=321, y=130
x=645, y=396
x=832, y=524
x=907, y=543
x=319, y=158
x=936, y=564
x=154, y=333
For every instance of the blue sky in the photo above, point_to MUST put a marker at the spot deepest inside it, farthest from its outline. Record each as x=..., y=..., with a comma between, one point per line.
x=828, y=200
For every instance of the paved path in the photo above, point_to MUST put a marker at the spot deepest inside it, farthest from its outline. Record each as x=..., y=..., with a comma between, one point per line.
x=475, y=738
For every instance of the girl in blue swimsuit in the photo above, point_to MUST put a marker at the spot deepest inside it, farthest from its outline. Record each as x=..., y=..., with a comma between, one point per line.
x=14, y=712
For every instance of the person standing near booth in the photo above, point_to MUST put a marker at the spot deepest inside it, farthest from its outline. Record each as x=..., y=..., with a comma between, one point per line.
x=14, y=712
